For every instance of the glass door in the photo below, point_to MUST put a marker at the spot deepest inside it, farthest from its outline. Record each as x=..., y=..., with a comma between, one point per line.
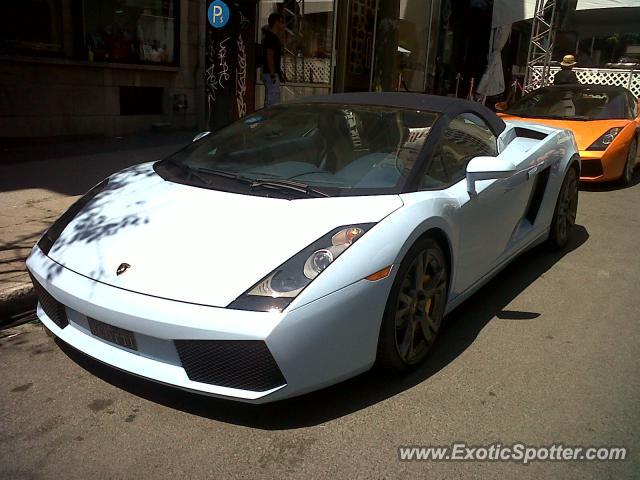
x=386, y=45
x=406, y=34
x=307, y=46
x=355, y=38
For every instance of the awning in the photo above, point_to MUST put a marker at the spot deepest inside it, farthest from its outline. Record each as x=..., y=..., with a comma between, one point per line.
x=604, y=22
x=591, y=4
x=506, y=12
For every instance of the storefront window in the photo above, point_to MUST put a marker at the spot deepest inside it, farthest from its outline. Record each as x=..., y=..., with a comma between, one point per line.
x=128, y=31
x=22, y=31
x=465, y=29
x=417, y=38
x=402, y=46
x=308, y=38
x=137, y=31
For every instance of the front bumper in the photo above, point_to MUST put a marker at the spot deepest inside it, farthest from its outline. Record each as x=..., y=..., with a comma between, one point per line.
x=313, y=346
x=603, y=166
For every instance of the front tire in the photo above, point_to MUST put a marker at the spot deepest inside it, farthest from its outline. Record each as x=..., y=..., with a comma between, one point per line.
x=564, y=215
x=415, y=307
x=630, y=165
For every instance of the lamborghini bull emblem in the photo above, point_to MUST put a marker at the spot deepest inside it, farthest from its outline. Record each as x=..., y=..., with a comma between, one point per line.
x=123, y=267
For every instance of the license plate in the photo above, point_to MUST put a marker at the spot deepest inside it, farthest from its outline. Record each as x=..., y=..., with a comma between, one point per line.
x=117, y=335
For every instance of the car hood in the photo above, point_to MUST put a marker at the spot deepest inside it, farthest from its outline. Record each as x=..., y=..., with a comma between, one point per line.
x=586, y=132
x=197, y=245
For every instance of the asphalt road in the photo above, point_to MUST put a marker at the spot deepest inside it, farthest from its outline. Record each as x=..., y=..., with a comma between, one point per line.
x=547, y=352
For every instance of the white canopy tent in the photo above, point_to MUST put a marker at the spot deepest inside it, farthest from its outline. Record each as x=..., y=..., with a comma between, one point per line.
x=492, y=82
x=592, y=4
x=506, y=12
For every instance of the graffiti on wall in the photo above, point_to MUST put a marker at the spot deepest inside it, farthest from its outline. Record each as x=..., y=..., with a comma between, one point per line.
x=223, y=76
x=229, y=56
x=241, y=78
x=241, y=66
x=217, y=73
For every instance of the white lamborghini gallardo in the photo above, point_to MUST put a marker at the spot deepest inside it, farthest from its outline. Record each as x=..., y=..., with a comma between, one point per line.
x=302, y=244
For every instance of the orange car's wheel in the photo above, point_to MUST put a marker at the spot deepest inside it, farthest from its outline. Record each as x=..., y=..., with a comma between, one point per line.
x=564, y=216
x=627, y=173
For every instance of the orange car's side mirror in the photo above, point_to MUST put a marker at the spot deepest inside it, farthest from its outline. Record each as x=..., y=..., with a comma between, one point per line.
x=501, y=106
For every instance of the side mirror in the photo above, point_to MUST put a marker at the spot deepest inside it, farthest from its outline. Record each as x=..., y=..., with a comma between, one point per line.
x=200, y=135
x=501, y=106
x=487, y=168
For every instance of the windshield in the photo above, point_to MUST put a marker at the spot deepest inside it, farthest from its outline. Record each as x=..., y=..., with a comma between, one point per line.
x=336, y=149
x=573, y=102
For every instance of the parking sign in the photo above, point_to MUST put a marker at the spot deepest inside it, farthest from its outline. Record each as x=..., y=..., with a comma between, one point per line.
x=218, y=14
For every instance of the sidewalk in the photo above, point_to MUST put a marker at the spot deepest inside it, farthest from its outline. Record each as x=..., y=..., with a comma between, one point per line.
x=39, y=182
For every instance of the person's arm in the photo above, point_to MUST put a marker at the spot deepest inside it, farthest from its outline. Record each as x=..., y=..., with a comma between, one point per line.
x=271, y=70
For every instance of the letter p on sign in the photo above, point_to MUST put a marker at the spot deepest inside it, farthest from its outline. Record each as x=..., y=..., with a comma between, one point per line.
x=218, y=14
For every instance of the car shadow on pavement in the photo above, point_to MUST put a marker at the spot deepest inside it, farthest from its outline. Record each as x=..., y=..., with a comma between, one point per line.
x=460, y=330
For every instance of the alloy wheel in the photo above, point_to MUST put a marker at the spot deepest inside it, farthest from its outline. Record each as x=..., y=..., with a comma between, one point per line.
x=419, y=311
x=567, y=206
x=631, y=162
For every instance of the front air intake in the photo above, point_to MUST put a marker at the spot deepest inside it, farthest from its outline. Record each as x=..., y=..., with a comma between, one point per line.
x=241, y=364
x=591, y=168
x=53, y=308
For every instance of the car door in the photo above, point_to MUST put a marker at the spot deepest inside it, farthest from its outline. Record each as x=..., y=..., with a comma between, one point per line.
x=487, y=222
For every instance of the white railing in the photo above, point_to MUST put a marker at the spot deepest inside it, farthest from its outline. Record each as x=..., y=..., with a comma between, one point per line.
x=306, y=70
x=629, y=79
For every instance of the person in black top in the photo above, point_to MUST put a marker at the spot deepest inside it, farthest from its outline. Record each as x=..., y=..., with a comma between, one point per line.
x=272, y=50
x=566, y=75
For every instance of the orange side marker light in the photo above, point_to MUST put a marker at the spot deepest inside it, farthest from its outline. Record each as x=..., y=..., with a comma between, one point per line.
x=380, y=274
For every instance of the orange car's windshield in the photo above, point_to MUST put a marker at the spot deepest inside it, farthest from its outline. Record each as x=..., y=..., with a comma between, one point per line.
x=574, y=102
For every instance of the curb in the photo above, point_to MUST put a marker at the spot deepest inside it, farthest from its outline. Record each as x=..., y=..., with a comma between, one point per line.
x=16, y=300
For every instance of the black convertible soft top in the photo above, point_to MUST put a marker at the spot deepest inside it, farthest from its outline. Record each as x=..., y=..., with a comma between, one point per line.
x=444, y=105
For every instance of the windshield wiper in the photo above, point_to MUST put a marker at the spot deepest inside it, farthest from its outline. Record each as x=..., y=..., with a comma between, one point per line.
x=288, y=185
x=223, y=174
x=274, y=183
x=188, y=170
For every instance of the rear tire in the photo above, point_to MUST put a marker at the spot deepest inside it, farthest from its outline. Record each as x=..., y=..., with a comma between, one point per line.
x=630, y=165
x=564, y=215
x=415, y=308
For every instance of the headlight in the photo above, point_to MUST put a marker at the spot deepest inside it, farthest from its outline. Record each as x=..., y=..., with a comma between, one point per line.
x=605, y=140
x=280, y=287
x=54, y=232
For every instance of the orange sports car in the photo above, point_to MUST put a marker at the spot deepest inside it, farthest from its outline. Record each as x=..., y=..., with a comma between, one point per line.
x=604, y=119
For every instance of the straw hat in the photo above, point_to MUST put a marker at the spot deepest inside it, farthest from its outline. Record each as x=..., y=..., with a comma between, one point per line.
x=568, y=61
